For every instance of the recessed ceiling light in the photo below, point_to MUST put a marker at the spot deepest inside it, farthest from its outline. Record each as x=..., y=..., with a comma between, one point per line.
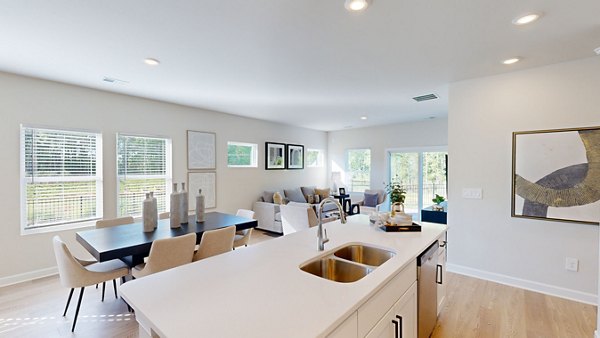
x=525, y=19
x=356, y=5
x=151, y=62
x=363, y=117
x=511, y=61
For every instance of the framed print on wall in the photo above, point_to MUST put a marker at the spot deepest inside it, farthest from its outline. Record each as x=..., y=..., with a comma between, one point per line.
x=295, y=156
x=275, y=156
x=556, y=175
x=201, y=148
x=208, y=183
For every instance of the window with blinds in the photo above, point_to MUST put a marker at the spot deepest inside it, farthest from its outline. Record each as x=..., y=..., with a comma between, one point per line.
x=143, y=165
x=61, y=177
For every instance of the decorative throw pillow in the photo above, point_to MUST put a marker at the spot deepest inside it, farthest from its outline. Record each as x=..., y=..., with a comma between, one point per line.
x=371, y=200
x=310, y=199
x=294, y=195
x=323, y=193
x=268, y=196
x=277, y=199
x=307, y=191
x=317, y=198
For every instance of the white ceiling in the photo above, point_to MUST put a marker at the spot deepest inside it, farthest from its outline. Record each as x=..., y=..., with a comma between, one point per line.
x=308, y=63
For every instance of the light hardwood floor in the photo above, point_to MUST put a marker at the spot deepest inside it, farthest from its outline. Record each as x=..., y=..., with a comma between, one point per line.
x=474, y=308
x=478, y=308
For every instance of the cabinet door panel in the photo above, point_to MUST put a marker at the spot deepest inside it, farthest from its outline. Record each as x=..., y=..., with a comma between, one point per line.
x=441, y=288
x=406, y=312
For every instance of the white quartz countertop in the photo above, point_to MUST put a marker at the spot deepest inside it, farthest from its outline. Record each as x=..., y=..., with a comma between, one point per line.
x=259, y=291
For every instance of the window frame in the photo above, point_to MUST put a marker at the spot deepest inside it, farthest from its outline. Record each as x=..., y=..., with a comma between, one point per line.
x=320, y=158
x=253, y=154
x=23, y=180
x=419, y=151
x=168, y=168
x=348, y=179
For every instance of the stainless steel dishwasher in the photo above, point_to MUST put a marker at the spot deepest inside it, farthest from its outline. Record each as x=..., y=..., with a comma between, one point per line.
x=427, y=290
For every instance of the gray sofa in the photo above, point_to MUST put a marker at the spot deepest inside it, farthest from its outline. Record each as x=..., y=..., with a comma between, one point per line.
x=268, y=214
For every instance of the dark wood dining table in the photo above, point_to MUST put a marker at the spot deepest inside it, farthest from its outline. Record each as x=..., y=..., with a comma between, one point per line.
x=130, y=244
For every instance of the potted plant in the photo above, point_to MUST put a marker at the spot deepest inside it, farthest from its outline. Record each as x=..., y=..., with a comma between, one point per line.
x=438, y=200
x=397, y=193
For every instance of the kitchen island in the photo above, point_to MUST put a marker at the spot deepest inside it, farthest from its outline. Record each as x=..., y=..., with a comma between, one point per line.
x=260, y=291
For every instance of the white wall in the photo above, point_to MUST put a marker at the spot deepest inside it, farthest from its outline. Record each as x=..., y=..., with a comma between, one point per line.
x=33, y=101
x=484, y=240
x=428, y=133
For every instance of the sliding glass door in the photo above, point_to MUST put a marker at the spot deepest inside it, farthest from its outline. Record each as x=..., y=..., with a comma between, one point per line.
x=422, y=174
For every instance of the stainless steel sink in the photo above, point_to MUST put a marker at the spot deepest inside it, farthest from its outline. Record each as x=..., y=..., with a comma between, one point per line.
x=348, y=264
x=336, y=270
x=364, y=254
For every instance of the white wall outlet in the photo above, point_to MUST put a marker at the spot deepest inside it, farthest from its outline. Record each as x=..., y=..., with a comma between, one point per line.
x=472, y=193
x=572, y=264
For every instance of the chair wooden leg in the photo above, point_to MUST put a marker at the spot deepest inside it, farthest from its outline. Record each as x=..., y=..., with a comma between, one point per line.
x=103, y=287
x=68, y=301
x=115, y=288
x=123, y=280
x=77, y=310
x=96, y=286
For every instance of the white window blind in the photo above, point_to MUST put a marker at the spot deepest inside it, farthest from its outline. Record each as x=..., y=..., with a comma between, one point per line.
x=61, y=177
x=143, y=165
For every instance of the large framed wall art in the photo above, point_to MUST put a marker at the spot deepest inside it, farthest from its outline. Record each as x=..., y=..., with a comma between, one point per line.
x=208, y=183
x=201, y=148
x=556, y=175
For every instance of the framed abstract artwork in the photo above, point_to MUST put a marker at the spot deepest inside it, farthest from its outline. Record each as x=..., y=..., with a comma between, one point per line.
x=208, y=183
x=556, y=175
x=201, y=150
x=275, y=158
x=295, y=156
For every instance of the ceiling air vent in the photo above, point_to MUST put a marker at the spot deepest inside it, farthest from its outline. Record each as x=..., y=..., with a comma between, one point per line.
x=113, y=80
x=425, y=97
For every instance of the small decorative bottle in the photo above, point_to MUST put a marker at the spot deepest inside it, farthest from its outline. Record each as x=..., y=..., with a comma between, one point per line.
x=200, y=207
x=183, y=205
x=154, y=209
x=174, y=211
x=149, y=218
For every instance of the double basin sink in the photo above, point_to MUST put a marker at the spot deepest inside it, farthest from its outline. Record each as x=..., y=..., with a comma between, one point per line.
x=348, y=263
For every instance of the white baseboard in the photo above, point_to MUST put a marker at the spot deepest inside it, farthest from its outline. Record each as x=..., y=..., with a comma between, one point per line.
x=28, y=276
x=552, y=290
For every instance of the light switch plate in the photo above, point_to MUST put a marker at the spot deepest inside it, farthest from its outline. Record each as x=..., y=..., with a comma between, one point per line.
x=472, y=193
x=572, y=264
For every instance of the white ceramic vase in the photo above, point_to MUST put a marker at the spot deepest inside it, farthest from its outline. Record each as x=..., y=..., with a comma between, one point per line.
x=200, y=207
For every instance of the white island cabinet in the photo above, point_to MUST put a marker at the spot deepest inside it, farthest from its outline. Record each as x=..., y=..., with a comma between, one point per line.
x=260, y=291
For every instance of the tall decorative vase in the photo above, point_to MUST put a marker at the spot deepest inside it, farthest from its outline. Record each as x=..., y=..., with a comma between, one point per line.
x=175, y=205
x=150, y=218
x=199, y=207
x=183, y=205
x=154, y=209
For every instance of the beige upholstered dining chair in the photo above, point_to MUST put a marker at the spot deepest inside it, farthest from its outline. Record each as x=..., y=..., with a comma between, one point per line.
x=111, y=222
x=74, y=275
x=242, y=237
x=215, y=242
x=297, y=217
x=166, y=254
x=105, y=223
